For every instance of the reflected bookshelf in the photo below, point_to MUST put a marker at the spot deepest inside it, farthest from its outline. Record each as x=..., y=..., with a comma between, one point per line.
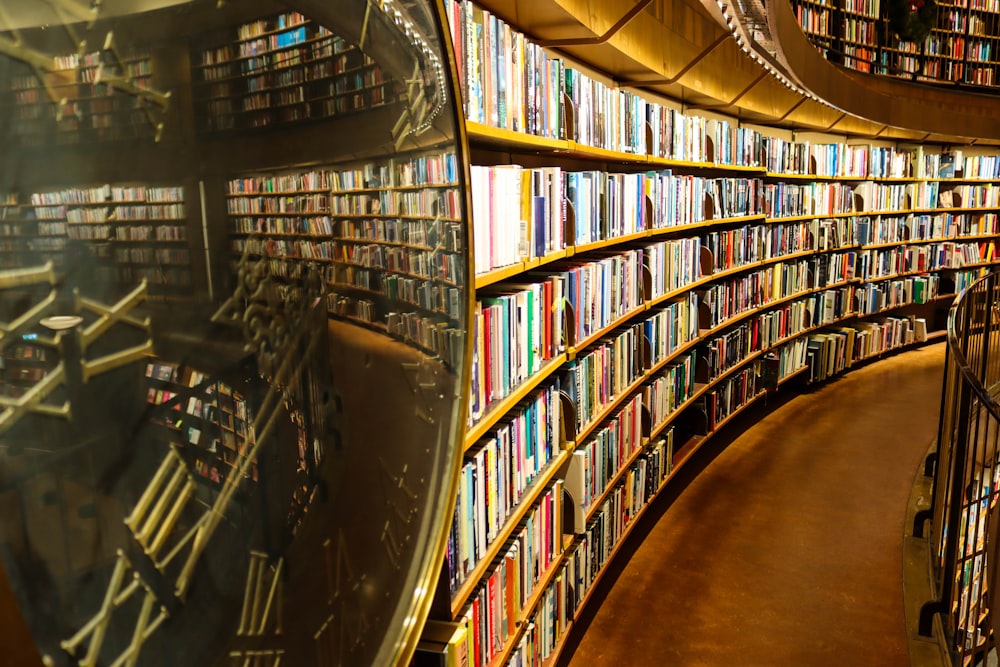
x=282, y=69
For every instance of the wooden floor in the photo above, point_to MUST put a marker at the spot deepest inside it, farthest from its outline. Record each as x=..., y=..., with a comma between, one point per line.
x=786, y=549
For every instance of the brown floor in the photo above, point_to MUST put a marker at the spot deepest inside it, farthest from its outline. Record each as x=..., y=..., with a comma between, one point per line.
x=786, y=549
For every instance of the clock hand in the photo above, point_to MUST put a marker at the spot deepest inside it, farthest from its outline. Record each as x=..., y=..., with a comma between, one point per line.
x=154, y=522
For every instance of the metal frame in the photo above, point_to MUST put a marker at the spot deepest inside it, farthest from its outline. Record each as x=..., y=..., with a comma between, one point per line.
x=967, y=472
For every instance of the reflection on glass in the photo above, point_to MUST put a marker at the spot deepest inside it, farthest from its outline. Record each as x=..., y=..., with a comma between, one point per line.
x=233, y=300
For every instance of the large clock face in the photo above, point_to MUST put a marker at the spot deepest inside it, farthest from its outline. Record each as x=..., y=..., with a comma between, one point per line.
x=234, y=296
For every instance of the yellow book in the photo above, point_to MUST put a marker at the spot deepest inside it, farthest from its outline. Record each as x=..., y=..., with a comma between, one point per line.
x=454, y=635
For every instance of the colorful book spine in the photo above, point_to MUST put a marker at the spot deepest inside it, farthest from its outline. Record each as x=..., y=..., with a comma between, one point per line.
x=507, y=462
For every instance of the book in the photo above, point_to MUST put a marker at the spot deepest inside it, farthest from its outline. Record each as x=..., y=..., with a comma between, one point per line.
x=453, y=637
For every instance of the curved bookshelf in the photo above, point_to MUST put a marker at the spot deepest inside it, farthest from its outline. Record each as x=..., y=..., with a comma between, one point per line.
x=498, y=146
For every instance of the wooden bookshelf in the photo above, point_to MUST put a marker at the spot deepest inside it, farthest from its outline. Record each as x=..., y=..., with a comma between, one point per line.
x=791, y=348
x=279, y=70
x=74, y=104
x=962, y=49
x=388, y=252
x=208, y=422
x=130, y=232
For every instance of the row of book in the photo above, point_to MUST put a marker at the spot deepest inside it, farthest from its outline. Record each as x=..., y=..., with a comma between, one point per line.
x=595, y=379
x=509, y=82
x=971, y=196
x=884, y=262
x=423, y=202
x=672, y=265
x=125, y=213
x=95, y=215
x=439, y=337
x=518, y=330
x=799, y=199
x=884, y=295
x=733, y=297
x=427, y=264
x=748, y=244
x=593, y=385
x=400, y=172
x=571, y=574
x=669, y=389
x=832, y=351
x=728, y=396
x=556, y=607
x=102, y=194
x=600, y=459
x=431, y=329
x=924, y=227
x=619, y=436
x=318, y=225
x=495, y=610
x=241, y=82
x=438, y=235
x=155, y=256
x=601, y=205
x=517, y=213
x=278, y=204
x=498, y=473
x=514, y=334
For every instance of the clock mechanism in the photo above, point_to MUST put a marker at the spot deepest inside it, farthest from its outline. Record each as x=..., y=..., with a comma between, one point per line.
x=232, y=387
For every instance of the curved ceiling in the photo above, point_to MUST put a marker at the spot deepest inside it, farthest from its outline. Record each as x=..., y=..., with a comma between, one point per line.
x=685, y=50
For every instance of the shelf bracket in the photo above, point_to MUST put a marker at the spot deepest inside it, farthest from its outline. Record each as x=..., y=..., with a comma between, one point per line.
x=794, y=107
x=919, y=519
x=834, y=123
x=931, y=608
x=736, y=99
x=595, y=40
x=687, y=68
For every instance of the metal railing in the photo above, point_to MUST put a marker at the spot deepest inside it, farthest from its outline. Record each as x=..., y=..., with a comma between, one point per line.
x=966, y=464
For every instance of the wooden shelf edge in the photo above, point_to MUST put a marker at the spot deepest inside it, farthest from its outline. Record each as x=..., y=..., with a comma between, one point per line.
x=603, y=331
x=499, y=409
x=489, y=134
x=606, y=243
x=496, y=275
x=606, y=411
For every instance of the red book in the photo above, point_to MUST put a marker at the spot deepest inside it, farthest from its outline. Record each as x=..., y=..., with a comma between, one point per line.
x=487, y=361
x=547, y=319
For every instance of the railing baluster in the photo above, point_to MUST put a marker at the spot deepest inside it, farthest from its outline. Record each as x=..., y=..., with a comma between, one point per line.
x=966, y=463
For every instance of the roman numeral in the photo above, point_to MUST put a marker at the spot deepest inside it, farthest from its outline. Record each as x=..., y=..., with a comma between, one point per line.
x=402, y=508
x=329, y=651
x=263, y=598
x=339, y=571
x=265, y=658
x=335, y=636
x=125, y=585
x=423, y=381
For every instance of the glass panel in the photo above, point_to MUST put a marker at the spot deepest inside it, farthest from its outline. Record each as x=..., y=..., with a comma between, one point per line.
x=233, y=310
